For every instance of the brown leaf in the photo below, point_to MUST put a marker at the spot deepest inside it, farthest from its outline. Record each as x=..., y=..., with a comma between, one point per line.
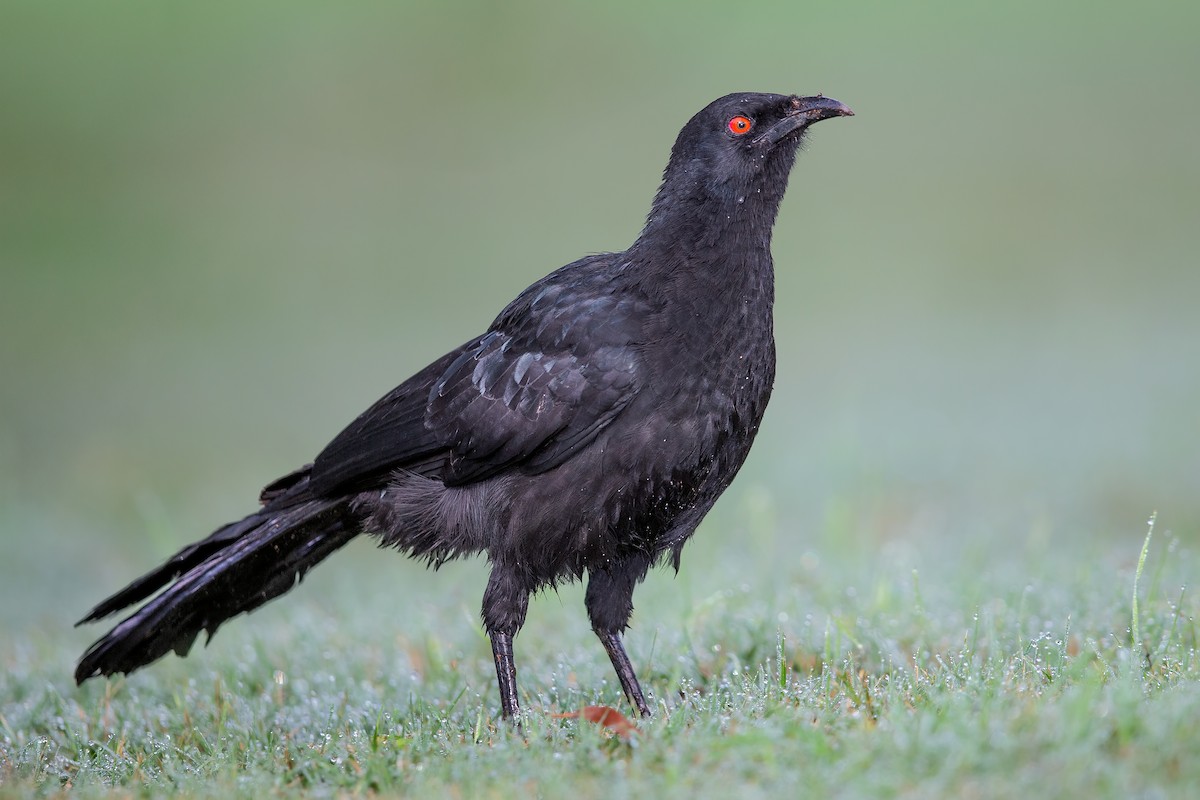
x=606, y=717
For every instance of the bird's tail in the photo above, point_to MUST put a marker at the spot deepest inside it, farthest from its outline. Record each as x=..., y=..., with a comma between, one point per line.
x=235, y=570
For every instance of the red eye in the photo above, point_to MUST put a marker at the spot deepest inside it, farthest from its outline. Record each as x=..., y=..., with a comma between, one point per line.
x=739, y=125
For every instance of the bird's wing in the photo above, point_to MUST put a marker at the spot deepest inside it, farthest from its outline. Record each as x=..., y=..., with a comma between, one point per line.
x=502, y=405
x=558, y=365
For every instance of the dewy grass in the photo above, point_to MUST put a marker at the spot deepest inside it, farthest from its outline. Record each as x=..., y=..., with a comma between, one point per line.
x=1137, y=649
x=996, y=683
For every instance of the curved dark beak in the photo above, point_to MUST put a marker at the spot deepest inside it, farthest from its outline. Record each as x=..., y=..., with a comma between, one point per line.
x=804, y=112
x=819, y=108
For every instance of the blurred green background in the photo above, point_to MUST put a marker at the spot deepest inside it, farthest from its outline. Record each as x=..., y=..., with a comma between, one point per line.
x=226, y=228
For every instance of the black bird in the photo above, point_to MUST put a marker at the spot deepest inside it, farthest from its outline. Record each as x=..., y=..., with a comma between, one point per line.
x=590, y=429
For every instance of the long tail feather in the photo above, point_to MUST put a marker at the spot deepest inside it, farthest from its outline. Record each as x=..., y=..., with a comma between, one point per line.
x=236, y=570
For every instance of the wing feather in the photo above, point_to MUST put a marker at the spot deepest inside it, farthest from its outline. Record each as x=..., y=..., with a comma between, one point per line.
x=558, y=365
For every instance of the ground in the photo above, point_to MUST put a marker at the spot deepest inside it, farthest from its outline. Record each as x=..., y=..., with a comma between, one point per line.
x=851, y=673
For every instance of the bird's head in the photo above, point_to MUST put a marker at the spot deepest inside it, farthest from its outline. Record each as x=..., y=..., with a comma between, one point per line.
x=742, y=147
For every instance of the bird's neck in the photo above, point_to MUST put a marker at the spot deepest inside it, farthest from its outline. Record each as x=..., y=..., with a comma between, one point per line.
x=712, y=274
x=692, y=211
x=714, y=228
x=710, y=247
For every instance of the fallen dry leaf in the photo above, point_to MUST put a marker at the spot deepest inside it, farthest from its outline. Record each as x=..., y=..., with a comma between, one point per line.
x=604, y=716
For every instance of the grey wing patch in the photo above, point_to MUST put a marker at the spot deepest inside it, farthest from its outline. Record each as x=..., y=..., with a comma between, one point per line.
x=499, y=405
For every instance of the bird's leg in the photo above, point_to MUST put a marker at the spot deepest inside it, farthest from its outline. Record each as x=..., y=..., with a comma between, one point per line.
x=609, y=602
x=620, y=661
x=506, y=673
x=504, y=605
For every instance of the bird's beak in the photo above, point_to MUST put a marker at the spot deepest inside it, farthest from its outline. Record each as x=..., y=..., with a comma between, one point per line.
x=804, y=112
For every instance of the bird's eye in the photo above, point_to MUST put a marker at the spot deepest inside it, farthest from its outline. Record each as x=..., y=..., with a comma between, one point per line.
x=740, y=125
